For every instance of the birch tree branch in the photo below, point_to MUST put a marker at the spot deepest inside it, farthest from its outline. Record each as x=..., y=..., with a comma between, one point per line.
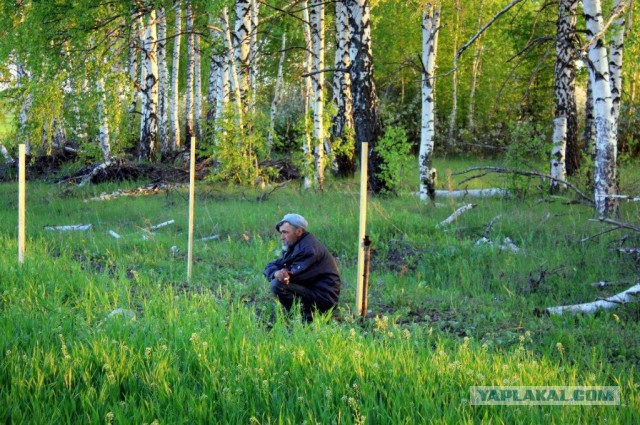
x=488, y=170
x=457, y=213
x=483, y=29
x=622, y=7
x=618, y=224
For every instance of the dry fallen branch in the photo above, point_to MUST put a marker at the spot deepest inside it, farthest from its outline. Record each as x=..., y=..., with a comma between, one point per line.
x=463, y=209
x=618, y=224
x=74, y=227
x=626, y=198
x=152, y=189
x=622, y=298
x=482, y=193
x=488, y=170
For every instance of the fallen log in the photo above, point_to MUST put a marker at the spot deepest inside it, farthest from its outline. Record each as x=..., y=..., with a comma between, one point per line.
x=74, y=227
x=480, y=193
x=95, y=170
x=457, y=213
x=614, y=301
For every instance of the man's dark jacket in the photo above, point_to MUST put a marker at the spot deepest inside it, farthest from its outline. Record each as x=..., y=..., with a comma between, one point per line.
x=311, y=265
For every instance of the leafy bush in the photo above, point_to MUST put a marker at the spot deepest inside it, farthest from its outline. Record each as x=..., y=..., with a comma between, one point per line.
x=392, y=149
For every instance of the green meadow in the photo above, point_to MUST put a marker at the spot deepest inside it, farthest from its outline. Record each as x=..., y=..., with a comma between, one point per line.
x=99, y=329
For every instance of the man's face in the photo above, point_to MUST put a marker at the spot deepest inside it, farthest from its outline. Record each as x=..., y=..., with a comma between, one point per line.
x=289, y=235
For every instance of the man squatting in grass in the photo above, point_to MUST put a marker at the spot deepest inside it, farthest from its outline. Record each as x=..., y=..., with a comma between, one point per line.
x=306, y=272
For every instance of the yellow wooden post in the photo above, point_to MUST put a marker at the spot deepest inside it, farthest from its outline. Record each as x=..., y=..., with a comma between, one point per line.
x=21, y=202
x=363, y=226
x=192, y=193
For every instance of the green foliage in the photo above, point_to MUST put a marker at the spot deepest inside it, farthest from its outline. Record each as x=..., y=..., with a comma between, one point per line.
x=393, y=149
x=237, y=151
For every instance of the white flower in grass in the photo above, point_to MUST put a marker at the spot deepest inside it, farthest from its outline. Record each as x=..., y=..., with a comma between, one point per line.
x=109, y=417
x=560, y=347
x=147, y=352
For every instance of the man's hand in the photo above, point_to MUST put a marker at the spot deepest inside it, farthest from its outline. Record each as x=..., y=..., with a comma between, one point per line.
x=283, y=276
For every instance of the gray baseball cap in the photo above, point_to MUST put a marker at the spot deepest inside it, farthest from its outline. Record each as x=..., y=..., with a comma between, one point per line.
x=296, y=220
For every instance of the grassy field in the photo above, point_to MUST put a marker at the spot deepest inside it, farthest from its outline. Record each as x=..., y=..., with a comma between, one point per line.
x=445, y=315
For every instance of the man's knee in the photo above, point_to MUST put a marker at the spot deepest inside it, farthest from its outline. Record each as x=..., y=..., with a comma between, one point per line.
x=276, y=287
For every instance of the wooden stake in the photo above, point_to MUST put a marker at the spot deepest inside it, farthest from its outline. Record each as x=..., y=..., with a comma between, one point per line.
x=21, y=202
x=363, y=226
x=192, y=191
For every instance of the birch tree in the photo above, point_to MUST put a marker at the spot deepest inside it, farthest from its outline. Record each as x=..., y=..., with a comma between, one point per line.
x=307, y=97
x=316, y=15
x=190, y=82
x=232, y=68
x=149, y=127
x=565, y=121
x=606, y=143
x=430, y=26
x=276, y=93
x=343, y=119
x=197, y=87
x=366, y=116
x=163, y=84
x=23, y=78
x=454, y=78
x=5, y=154
x=616, y=48
x=242, y=42
x=104, y=137
x=253, y=52
x=214, y=72
x=175, y=78
x=475, y=71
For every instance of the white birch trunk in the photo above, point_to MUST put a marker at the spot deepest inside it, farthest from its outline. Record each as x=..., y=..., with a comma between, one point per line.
x=253, y=53
x=190, y=83
x=212, y=92
x=104, y=137
x=5, y=154
x=454, y=79
x=558, y=169
x=149, y=125
x=136, y=44
x=24, y=76
x=564, y=90
x=606, y=144
x=430, y=24
x=475, y=71
x=198, y=88
x=233, y=72
x=163, y=83
x=307, y=94
x=175, y=77
x=242, y=43
x=343, y=118
x=366, y=115
x=616, y=47
x=276, y=95
x=317, y=79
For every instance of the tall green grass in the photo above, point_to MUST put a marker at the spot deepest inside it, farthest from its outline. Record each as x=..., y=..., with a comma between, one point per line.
x=445, y=314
